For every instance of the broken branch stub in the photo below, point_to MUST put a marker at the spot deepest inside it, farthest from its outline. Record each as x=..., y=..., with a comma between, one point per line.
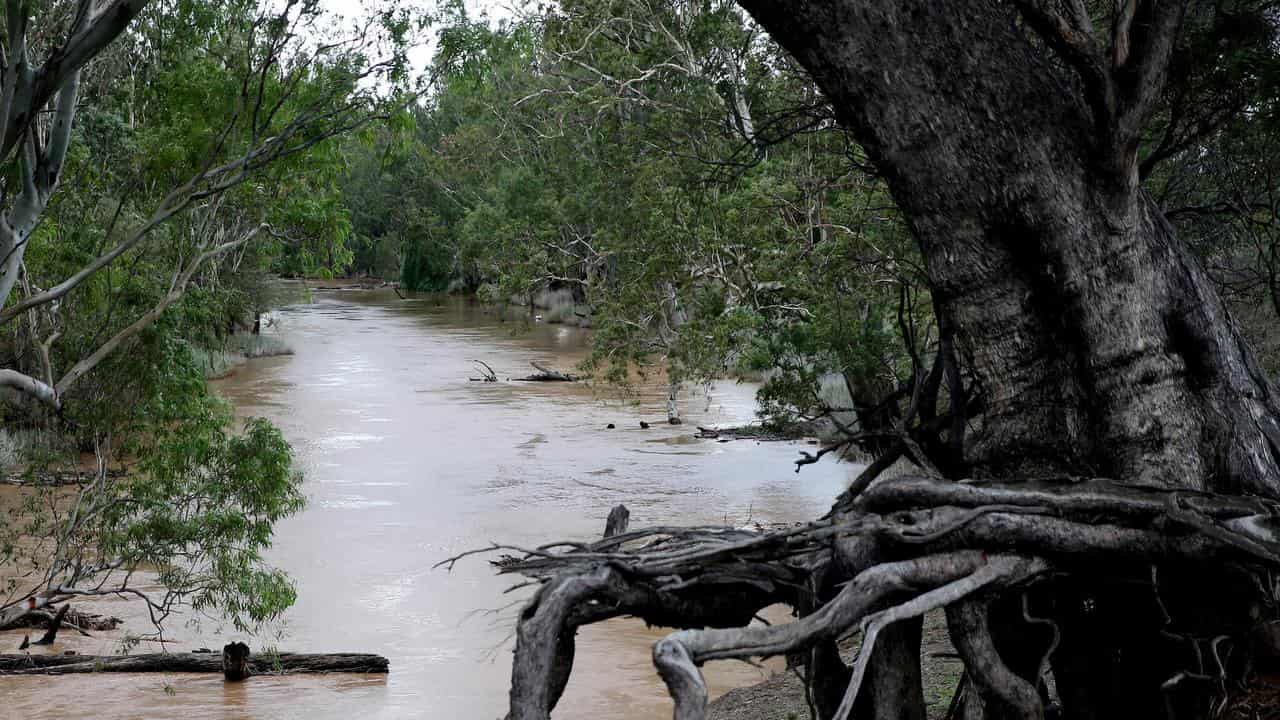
x=619, y=518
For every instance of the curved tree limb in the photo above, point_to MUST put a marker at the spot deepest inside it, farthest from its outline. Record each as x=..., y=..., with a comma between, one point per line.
x=1004, y=694
x=29, y=386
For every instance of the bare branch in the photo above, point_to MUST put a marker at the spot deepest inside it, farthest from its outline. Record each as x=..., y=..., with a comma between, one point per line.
x=1074, y=40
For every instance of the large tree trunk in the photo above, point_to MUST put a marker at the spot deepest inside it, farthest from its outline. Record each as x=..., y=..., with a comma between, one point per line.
x=1009, y=140
x=1099, y=344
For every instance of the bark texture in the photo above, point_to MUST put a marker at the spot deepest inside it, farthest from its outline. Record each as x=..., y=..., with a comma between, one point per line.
x=1009, y=137
x=1099, y=344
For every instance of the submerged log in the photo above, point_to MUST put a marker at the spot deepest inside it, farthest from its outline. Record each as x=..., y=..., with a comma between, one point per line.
x=259, y=664
x=55, y=478
x=546, y=374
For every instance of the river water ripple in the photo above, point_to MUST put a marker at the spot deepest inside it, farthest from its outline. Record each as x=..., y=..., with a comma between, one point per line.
x=407, y=463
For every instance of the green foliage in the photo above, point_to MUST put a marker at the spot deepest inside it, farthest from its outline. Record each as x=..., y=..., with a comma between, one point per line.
x=672, y=169
x=202, y=124
x=202, y=507
x=624, y=168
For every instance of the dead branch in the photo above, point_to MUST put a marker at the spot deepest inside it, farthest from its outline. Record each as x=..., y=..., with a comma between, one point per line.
x=486, y=373
x=906, y=546
x=546, y=374
x=51, y=634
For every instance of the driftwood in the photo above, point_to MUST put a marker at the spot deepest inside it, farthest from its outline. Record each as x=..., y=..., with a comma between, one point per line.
x=259, y=664
x=546, y=374
x=51, y=634
x=748, y=432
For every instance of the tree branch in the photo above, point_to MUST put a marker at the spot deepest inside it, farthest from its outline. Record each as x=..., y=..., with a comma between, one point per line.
x=175, y=292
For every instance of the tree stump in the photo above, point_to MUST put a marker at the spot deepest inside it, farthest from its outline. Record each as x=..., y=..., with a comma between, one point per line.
x=235, y=661
x=619, y=516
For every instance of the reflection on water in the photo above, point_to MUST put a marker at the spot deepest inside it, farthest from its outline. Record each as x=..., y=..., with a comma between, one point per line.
x=407, y=463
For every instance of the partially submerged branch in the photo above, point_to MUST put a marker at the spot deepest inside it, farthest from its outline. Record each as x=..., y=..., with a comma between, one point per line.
x=486, y=373
x=546, y=374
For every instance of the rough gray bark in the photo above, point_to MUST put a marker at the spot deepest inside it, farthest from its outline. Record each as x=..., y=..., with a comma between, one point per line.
x=1001, y=693
x=1098, y=341
x=1008, y=134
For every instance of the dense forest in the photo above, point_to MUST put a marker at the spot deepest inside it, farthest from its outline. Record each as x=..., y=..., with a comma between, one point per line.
x=1018, y=241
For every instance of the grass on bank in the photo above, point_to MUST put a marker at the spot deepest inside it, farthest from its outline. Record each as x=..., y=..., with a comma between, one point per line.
x=220, y=362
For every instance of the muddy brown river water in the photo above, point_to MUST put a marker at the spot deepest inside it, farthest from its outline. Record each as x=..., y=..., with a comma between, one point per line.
x=407, y=463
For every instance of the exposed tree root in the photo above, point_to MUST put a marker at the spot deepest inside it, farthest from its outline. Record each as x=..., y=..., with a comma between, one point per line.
x=1001, y=692
x=898, y=550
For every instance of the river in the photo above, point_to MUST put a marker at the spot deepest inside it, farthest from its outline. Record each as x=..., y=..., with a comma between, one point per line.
x=406, y=463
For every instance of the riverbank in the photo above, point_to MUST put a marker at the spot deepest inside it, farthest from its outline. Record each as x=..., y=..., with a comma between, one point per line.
x=239, y=349
x=407, y=462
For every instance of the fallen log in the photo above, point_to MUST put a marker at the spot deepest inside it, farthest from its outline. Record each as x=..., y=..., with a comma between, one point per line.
x=546, y=374
x=753, y=432
x=260, y=663
x=55, y=478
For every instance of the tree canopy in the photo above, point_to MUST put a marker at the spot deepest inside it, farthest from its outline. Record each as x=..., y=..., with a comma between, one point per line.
x=187, y=154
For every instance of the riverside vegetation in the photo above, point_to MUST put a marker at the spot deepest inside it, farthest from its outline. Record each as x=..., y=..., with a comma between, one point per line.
x=1018, y=241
